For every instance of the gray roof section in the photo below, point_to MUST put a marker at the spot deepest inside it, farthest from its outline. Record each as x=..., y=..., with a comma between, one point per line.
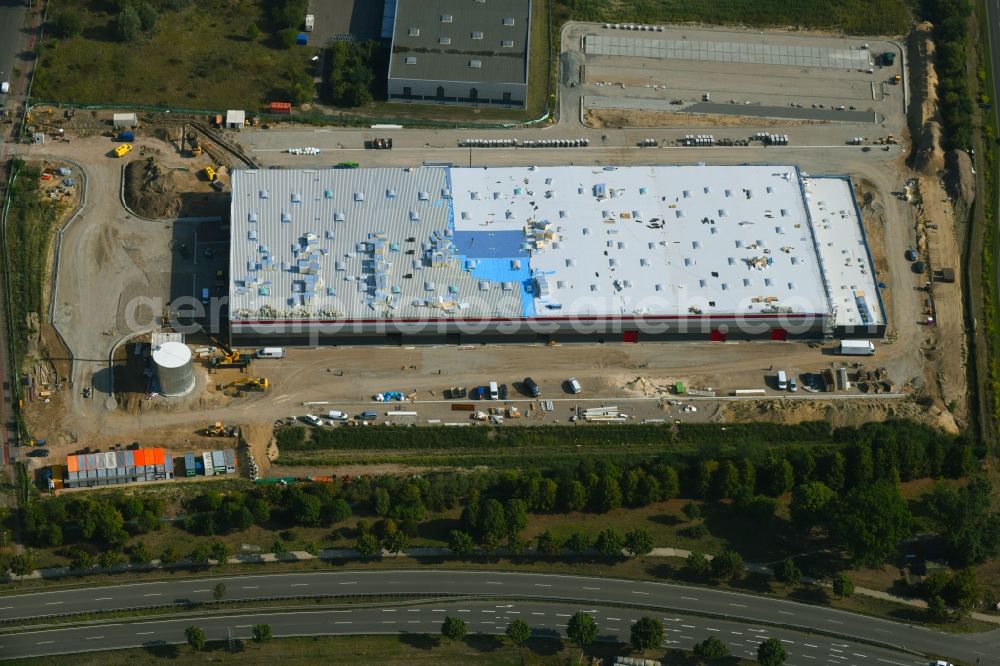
x=420, y=31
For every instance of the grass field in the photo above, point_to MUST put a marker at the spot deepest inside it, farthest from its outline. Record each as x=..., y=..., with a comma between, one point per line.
x=383, y=650
x=198, y=57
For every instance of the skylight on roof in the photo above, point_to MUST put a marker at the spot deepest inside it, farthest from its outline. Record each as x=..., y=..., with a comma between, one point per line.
x=411, y=60
x=444, y=40
x=509, y=21
x=414, y=32
x=477, y=35
x=507, y=44
x=446, y=18
x=476, y=64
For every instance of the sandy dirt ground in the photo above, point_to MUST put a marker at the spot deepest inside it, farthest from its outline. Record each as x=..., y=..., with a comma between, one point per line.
x=620, y=118
x=110, y=259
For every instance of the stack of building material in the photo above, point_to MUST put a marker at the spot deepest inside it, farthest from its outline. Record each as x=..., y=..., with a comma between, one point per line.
x=604, y=415
x=116, y=467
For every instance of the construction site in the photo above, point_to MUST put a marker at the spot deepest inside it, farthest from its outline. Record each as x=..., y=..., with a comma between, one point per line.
x=163, y=243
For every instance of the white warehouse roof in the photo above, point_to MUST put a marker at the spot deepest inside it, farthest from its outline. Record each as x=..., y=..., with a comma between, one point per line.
x=525, y=242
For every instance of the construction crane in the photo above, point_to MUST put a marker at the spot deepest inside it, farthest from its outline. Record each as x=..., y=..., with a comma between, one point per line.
x=248, y=384
x=230, y=358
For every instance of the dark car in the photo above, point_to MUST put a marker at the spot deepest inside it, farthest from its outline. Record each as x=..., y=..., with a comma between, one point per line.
x=38, y=453
x=532, y=387
x=479, y=393
x=503, y=391
x=911, y=255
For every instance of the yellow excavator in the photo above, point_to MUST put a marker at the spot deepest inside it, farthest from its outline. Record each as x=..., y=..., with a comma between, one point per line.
x=230, y=358
x=247, y=384
x=220, y=430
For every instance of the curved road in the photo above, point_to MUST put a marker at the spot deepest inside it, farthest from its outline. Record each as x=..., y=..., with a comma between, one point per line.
x=490, y=617
x=524, y=586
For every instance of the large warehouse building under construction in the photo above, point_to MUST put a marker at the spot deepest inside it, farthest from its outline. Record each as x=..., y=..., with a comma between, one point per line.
x=443, y=254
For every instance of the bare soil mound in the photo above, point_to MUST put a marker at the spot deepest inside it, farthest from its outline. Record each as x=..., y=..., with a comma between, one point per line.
x=960, y=181
x=150, y=190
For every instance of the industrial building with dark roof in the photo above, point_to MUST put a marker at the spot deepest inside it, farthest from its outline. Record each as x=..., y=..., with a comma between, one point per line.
x=460, y=52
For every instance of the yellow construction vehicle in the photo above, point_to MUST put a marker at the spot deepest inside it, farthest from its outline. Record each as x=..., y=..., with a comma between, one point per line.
x=193, y=145
x=248, y=384
x=210, y=173
x=219, y=430
x=123, y=150
x=230, y=358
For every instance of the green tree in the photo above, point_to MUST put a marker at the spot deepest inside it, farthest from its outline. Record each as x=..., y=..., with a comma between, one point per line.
x=201, y=553
x=382, y=502
x=965, y=522
x=787, y=573
x=582, y=630
x=110, y=559
x=171, y=554
x=670, y=484
x=253, y=32
x=692, y=511
x=608, y=494
x=337, y=511
x=396, y=542
x=148, y=522
x=127, y=25
x=196, y=638
x=548, y=544
x=771, y=653
x=461, y=543
x=578, y=543
x=726, y=482
x=453, y=628
x=609, y=542
x=286, y=37
x=22, y=564
x=367, y=545
x=811, y=504
x=279, y=548
x=572, y=496
x=220, y=552
x=66, y=23
x=728, y=566
x=518, y=632
x=147, y=16
x=261, y=633
x=139, y=554
x=638, y=542
x=218, y=592
x=776, y=477
x=937, y=609
x=548, y=493
x=647, y=633
x=843, y=586
x=698, y=565
x=81, y=559
x=871, y=521
x=711, y=650
x=516, y=512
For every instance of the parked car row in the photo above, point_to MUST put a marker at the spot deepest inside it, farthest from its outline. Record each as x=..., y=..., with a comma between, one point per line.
x=497, y=391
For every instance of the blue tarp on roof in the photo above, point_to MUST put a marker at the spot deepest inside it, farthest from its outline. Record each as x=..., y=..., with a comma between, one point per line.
x=490, y=244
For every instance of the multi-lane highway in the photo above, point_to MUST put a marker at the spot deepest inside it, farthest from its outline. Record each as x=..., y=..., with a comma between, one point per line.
x=491, y=617
x=577, y=591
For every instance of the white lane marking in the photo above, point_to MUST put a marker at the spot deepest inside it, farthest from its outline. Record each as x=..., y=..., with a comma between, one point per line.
x=437, y=610
x=153, y=594
x=6, y=607
x=492, y=582
x=812, y=646
x=533, y=613
x=890, y=662
x=591, y=588
x=736, y=632
x=614, y=619
x=786, y=613
x=738, y=605
x=759, y=631
x=689, y=599
x=144, y=633
x=44, y=642
x=343, y=622
x=299, y=584
x=103, y=599
x=835, y=650
x=249, y=587
x=834, y=621
x=688, y=637
x=808, y=656
x=566, y=615
x=542, y=585
x=388, y=622
x=638, y=592
x=52, y=603
x=413, y=610
x=201, y=590
x=464, y=611
x=350, y=582
x=388, y=610
x=787, y=641
x=93, y=638
x=413, y=622
x=688, y=626
x=863, y=656
x=710, y=629
x=243, y=626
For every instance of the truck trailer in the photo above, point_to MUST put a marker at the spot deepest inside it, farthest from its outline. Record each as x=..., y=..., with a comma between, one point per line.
x=856, y=348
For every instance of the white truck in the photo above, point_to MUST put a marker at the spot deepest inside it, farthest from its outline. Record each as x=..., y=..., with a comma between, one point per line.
x=310, y=22
x=856, y=348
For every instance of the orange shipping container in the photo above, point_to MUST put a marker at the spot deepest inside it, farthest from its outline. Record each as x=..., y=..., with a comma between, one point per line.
x=158, y=453
x=71, y=464
x=140, y=457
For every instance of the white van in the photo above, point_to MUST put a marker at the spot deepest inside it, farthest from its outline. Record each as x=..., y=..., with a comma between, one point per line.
x=575, y=386
x=336, y=416
x=782, y=380
x=494, y=391
x=271, y=352
x=312, y=420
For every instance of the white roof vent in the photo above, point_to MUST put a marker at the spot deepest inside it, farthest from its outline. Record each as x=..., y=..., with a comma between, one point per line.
x=477, y=35
x=476, y=64
x=411, y=60
x=338, y=217
x=414, y=32
x=390, y=193
x=423, y=196
x=507, y=43
x=444, y=40
x=263, y=194
x=446, y=18
x=509, y=21
x=359, y=196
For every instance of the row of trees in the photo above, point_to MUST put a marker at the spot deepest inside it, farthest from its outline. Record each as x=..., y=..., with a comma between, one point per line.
x=609, y=543
x=951, y=20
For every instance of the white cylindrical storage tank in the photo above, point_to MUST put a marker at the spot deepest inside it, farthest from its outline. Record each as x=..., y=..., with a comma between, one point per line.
x=173, y=368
